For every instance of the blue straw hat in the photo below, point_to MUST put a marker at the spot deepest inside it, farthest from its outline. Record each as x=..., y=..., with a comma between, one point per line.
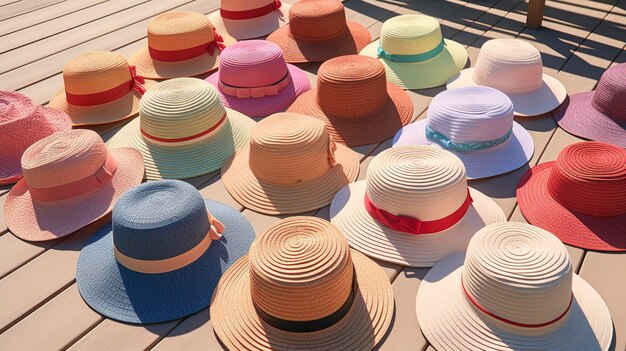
x=152, y=263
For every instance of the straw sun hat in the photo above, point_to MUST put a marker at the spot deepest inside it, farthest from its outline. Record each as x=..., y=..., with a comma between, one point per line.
x=414, y=207
x=355, y=101
x=70, y=180
x=163, y=254
x=301, y=287
x=291, y=166
x=23, y=122
x=601, y=114
x=318, y=31
x=183, y=130
x=513, y=290
x=247, y=19
x=180, y=44
x=514, y=67
x=100, y=87
x=476, y=124
x=255, y=80
x=580, y=197
x=415, y=54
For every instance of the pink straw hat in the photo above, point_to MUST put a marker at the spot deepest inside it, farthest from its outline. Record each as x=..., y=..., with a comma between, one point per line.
x=255, y=80
x=248, y=19
x=23, y=122
x=70, y=180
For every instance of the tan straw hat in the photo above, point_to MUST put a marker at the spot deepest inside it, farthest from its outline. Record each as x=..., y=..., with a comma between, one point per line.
x=100, y=87
x=291, y=166
x=515, y=289
x=248, y=19
x=414, y=208
x=180, y=44
x=302, y=288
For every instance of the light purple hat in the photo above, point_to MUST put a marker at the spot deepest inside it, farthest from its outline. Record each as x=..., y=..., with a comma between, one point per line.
x=601, y=114
x=476, y=124
x=254, y=79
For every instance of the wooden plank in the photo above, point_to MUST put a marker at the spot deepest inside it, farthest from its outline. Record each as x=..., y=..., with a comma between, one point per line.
x=3, y=224
x=17, y=252
x=194, y=333
x=22, y=7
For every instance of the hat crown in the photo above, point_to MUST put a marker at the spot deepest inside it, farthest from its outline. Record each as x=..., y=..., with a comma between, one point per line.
x=590, y=178
x=290, y=148
x=317, y=20
x=352, y=86
x=509, y=65
x=410, y=34
x=300, y=269
x=63, y=158
x=243, y=5
x=520, y=273
x=179, y=30
x=159, y=220
x=609, y=94
x=252, y=63
x=422, y=182
x=95, y=72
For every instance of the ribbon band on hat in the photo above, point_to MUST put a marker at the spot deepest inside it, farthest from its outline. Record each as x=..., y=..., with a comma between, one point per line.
x=425, y=56
x=255, y=92
x=252, y=13
x=167, y=141
x=189, y=53
x=442, y=140
x=135, y=83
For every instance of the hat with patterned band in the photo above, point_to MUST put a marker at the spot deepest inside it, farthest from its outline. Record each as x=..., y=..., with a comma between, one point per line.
x=248, y=19
x=514, y=289
x=302, y=287
x=163, y=254
x=70, y=180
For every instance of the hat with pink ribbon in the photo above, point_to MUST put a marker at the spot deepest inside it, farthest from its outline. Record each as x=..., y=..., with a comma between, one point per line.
x=247, y=19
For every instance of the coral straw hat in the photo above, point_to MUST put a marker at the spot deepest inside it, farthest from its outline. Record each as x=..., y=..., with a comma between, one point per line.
x=601, y=114
x=291, y=166
x=180, y=44
x=255, y=80
x=414, y=208
x=301, y=287
x=100, y=87
x=580, y=197
x=318, y=31
x=70, y=180
x=247, y=19
x=355, y=101
x=163, y=254
x=514, y=67
x=23, y=122
x=515, y=289
x=415, y=54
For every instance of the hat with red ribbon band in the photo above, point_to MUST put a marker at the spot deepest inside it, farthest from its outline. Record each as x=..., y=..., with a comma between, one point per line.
x=248, y=19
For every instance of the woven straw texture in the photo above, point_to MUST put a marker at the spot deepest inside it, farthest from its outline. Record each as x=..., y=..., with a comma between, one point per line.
x=520, y=273
x=585, y=188
x=252, y=27
x=355, y=101
x=301, y=269
x=417, y=181
x=181, y=108
x=60, y=159
x=291, y=166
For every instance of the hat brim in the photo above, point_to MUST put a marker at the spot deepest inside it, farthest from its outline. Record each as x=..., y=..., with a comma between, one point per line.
x=128, y=296
x=364, y=233
x=237, y=324
x=267, y=105
x=373, y=128
x=186, y=161
x=350, y=42
x=117, y=110
x=543, y=100
x=577, y=116
x=252, y=27
x=506, y=157
x=255, y=194
x=450, y=322
x=32, y=220
x=426, y=74
x=584, y=231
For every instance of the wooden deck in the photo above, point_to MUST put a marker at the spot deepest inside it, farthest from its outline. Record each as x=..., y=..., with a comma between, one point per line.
x=40, y=307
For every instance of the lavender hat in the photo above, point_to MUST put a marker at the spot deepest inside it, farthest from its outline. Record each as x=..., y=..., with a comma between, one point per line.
x=476, y=124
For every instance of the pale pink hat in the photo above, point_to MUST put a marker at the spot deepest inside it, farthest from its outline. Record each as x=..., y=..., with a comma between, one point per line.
x=70, y=180
x=23, y=122
x=248, y=19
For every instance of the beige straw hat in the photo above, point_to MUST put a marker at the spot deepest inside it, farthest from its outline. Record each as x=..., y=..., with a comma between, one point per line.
x=183, y=130
x=180, y=44
x=301, y=287
x=514, y=290
x=414, y=208
x=291, y=166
